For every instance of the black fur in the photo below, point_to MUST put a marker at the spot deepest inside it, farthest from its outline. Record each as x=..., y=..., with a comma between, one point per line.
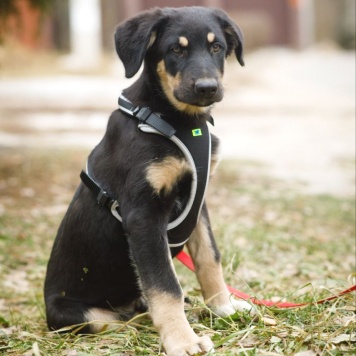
x=96, y=261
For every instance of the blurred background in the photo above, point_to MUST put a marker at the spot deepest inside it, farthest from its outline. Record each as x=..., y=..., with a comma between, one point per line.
x=58, y=24
x=291, y=110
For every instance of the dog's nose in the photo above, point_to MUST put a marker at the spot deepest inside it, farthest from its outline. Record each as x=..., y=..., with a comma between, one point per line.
x=206, y=88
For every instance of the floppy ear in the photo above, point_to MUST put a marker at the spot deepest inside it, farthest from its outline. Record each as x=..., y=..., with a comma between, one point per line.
x=133, y=37
x=233, y=35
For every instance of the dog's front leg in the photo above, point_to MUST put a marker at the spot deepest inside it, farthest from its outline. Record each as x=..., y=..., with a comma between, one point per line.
x=207, y=261
x=151, y=256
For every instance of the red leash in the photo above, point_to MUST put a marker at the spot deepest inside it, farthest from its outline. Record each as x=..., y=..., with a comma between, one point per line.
x=187, y=261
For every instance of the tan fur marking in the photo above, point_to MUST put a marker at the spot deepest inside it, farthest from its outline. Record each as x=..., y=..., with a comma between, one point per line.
x=183, y=41
x=166, y=309
x=167, y=313
x=169, y=83
x=230, y=30
x=208, y=271
x=152, y=39
x=214, y=161
x=163, y=175
x=177, y=336
x=211, y=37
x=99, y=319
x=210, y=275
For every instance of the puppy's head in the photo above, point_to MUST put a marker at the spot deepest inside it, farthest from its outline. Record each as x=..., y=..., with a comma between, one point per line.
x=186, y=48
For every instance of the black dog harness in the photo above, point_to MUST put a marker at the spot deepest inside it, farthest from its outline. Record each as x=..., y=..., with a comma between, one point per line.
x=195, y=144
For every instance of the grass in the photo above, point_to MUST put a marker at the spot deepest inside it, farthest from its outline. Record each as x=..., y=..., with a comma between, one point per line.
x=277, y=243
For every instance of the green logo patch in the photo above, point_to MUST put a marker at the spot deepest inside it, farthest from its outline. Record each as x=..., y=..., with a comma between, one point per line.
x=197, y=132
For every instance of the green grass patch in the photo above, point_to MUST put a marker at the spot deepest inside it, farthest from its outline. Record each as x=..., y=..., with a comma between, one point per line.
x=277, y=243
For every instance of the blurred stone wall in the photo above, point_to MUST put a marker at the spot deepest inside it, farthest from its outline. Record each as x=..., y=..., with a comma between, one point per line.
x=264, y=23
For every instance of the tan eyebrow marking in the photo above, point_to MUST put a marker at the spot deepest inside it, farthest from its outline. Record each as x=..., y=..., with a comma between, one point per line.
x=183, y=41
x=211, y=37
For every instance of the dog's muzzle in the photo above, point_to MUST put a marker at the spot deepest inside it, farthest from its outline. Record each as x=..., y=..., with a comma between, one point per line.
x=206, y=88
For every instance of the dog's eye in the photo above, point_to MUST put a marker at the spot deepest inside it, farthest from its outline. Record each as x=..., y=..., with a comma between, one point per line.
x=177, y=49
x=216, y=47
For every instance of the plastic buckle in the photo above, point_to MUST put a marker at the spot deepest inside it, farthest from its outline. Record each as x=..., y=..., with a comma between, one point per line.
x=135, y=110
x=143, y=114
x=102, y=197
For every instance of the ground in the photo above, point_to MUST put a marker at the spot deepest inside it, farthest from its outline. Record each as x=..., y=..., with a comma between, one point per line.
x=282, y=202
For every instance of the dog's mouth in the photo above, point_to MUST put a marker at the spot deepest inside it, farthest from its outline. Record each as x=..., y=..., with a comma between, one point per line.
x=187, y=95
x=202, y=94
x=190, y=103
x=199, y=102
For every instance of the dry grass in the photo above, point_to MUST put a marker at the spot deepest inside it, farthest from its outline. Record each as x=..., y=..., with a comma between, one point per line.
x=276, y=242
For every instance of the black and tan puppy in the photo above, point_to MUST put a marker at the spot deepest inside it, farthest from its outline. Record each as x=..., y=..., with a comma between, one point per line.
x=104, y=268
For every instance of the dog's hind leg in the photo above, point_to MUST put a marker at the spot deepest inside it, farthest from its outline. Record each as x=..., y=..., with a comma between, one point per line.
x=100, y=319
x=206, y=257
x=64, y=313
x=69, y=315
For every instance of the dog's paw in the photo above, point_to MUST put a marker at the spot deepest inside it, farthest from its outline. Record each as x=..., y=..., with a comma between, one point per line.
x=189, y=346
x=233, y=306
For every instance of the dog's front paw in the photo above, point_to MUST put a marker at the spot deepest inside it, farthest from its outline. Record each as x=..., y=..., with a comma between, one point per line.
x=233, y=306
x=193, y=345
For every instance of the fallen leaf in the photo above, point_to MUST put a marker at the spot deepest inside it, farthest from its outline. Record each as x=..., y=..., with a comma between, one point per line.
x=269, y=321
x=305, y=353
x=9, y=331
x=71, y=353
x=349, y=308
x=343, y=338
x=346, y=320
x=249, y=341
x=283, y=334
x=275, y=340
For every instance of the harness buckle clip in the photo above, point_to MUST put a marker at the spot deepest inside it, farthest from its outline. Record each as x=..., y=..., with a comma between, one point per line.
x=143, y=113
x=102, y=197
x=135, y=111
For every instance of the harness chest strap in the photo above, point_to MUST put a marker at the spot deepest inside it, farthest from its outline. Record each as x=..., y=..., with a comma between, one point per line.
x=102, y=197
x=195, y=145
